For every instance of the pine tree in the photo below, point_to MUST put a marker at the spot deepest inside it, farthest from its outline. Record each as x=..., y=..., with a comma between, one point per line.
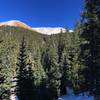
x=61, y=61
x=52, y=72
x=40, y=77
x=74, y=58
x=69, y=42
x=90, y=46
x=25, y=80
x=64, y=77
x=53, y=82
x=61, y=46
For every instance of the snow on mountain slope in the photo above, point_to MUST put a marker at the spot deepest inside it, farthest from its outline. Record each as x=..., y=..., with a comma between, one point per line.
x=15, y=23
x=49, y=30
x=43, y=30
x=71, y=96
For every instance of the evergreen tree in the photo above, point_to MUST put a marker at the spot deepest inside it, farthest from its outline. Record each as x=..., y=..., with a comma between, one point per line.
x=52, y=71
x=39, y=72
x=61, y=61
x=68, y=46
x=74, y=59
x=25, y=80
x=61, y=46
x=64, y=77
x=90, y=33
x=40, y=77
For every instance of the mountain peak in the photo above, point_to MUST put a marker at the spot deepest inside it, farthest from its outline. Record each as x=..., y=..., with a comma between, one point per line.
x=15, y=23
x=43, y=30
x=49, y=30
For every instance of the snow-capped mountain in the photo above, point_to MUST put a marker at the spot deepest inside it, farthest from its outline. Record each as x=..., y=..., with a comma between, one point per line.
x=49, y=30
x=43, y=30
x=15, y=23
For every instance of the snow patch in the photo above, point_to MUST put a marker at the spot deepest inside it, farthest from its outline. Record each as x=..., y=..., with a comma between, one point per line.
x=71, y=31
x=13, y=97
x=49, y=30
x=71, y=96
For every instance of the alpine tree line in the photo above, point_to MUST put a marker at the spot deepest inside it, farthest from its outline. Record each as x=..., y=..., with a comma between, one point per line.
x=41, y=67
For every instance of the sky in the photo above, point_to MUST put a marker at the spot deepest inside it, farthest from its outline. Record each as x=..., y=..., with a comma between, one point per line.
x=42, y=13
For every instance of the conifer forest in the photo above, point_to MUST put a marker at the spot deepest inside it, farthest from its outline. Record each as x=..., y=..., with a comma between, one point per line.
x=36, y=66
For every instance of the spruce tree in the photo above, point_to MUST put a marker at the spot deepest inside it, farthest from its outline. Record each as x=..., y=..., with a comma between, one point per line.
x=61, y=61
x=40, y=77
x=64, y=77
x=52, y=72
x=61, y=46
x=74, y=53
x=25, y=80
x=53, y=81
x=90, y=46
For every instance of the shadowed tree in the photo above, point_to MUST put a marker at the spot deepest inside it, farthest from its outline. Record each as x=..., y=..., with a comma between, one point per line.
x=25, y=80
x=90, y=33
x=64, y=78
x=51, y=68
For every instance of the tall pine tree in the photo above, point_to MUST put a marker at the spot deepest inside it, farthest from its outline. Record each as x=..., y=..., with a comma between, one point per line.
x=25, y=80
x=90, y=48
x=52, y=72
x=64, y=77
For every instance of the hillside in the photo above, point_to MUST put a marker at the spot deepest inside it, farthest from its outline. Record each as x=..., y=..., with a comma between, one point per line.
x=37, y=47
x=15, y=23
x=43, y=30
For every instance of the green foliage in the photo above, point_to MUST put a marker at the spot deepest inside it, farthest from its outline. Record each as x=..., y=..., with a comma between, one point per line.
x=55, y=60
x=25, y=79
x=90, y=46
x=52, y=72
x=47, y=55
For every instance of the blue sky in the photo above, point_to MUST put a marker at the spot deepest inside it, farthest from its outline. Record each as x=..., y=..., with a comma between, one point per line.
x=42, y=13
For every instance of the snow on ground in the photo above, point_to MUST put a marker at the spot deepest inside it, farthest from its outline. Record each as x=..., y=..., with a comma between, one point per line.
x=71, y=96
